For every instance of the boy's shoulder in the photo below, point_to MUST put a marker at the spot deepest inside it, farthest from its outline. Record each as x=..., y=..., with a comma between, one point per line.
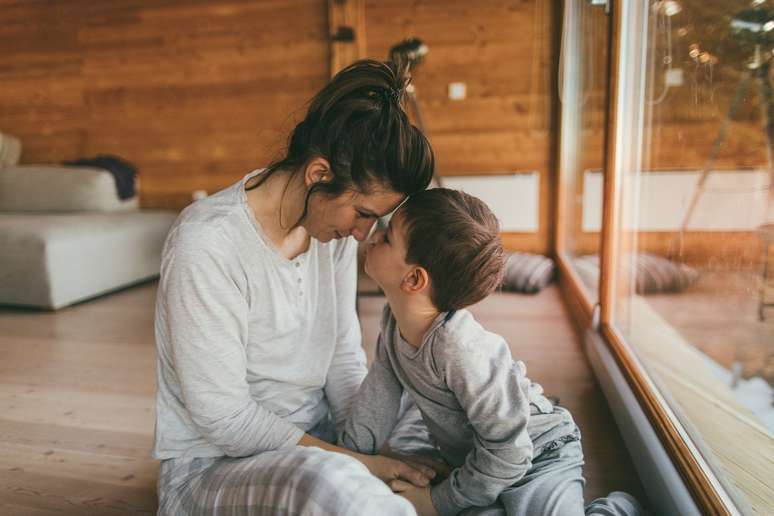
x=461, y=335
x=387, y=317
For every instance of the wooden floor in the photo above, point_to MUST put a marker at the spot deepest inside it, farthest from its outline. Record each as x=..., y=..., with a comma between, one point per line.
x=77, y=396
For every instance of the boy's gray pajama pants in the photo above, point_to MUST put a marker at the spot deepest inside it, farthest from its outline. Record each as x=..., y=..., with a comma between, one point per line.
x=311, y=481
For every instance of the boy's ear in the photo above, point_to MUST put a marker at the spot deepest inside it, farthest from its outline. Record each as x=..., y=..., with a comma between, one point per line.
x=416, y=280
x=318, y=169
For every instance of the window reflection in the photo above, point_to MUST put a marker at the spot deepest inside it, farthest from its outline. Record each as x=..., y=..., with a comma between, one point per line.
x=693, y=280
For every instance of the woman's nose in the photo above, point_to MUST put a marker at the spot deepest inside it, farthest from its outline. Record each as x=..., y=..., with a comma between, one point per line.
x=361, y=229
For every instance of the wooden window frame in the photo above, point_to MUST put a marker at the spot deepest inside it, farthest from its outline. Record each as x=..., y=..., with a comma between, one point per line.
x=700, y=480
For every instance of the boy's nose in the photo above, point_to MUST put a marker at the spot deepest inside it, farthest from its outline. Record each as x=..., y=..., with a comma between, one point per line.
x=376, y=237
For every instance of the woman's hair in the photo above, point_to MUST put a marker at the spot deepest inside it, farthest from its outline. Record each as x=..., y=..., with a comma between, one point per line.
x=357, y=124
x=456, y=238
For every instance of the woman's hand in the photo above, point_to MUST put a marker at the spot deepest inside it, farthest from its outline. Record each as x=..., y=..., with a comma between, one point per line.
x=388, y=469
x=383, y=468
x=418, y=496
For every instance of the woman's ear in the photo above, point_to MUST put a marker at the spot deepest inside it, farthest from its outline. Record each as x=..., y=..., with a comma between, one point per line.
x=317, y=170
x=415, y=281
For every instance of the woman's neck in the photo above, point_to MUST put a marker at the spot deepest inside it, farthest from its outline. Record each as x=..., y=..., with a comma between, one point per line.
x=277, y=205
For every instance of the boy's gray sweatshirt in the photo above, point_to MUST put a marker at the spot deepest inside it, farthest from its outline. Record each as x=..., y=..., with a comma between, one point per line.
x=486, y=417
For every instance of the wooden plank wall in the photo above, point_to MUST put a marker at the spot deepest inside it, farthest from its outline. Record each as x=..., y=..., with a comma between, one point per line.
x=197, y=93
x=502, y=51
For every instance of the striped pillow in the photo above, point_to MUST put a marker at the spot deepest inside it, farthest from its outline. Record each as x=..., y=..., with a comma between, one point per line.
x=652, y=273
x=527, y=273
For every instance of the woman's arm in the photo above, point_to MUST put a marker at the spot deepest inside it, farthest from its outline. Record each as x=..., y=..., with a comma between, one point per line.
x=204, y=324
x=348, y=366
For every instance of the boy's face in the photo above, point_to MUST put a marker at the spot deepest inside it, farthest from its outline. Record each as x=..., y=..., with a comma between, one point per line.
x=386, y=254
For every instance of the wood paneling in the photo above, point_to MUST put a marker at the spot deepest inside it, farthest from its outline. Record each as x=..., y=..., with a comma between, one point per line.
x=198, y=93
x=346, y=19
x=195, y=93
x=502, y=51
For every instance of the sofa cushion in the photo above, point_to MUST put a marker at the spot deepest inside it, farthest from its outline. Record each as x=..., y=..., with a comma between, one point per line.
x=53, y=260
x=46, y=188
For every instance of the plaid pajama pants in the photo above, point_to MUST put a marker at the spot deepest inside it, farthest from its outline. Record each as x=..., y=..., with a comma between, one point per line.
x=310, y=481
x=292, y=481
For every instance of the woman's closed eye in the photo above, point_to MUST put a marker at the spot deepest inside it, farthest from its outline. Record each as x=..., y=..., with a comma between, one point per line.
x=363, y=215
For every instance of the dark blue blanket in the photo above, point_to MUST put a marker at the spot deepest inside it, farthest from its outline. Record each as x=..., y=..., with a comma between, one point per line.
x=122, y=171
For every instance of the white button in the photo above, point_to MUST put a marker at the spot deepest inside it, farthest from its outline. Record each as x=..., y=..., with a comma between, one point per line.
x=299, y=280
x=298, y=264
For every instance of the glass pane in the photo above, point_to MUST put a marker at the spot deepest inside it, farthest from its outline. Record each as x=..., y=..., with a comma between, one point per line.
x=695, y=295
x=584, y=99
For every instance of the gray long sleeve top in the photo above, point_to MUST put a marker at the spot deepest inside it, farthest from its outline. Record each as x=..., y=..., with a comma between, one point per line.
x=253, y=349
x=476, y=402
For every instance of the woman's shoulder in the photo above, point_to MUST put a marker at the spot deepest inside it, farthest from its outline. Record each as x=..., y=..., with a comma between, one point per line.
x=195, y=232
x=208, y=221
x=214, y=209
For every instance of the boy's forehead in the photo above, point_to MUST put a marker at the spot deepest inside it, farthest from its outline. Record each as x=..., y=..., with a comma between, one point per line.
x=396, y=220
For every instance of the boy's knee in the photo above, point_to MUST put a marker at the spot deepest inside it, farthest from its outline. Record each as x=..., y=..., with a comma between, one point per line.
x=616, y=503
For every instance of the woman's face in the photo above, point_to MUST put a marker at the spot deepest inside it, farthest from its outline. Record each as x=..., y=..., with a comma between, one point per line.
x=351, y=213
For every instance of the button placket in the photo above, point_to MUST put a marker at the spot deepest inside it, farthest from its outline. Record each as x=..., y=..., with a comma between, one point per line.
x=299, y=279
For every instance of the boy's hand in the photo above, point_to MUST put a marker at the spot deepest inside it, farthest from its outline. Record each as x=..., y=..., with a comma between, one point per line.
x=383, y=468
x=441, y=469
x=388, y=469
x=418, y=496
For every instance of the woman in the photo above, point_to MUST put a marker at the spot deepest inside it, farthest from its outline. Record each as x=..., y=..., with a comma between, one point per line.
x=259, y=352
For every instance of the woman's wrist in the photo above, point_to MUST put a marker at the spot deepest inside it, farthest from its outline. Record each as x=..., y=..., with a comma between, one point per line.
x=309, y=440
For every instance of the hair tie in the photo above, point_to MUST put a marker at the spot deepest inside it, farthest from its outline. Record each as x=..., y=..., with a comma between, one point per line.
x=390, y=95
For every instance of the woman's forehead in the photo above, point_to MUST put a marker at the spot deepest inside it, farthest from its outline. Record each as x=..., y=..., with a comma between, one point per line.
x=378, y=202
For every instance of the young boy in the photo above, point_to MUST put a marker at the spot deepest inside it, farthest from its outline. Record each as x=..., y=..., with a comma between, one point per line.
x=502, y=438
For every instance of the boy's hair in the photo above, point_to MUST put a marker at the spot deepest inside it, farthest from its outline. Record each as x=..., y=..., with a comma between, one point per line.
x=456, y=238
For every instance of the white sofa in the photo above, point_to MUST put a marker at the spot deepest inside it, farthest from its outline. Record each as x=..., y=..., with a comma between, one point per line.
x=66, y=237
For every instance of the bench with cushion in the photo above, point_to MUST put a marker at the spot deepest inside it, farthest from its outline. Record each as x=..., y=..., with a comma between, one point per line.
x=65, y=236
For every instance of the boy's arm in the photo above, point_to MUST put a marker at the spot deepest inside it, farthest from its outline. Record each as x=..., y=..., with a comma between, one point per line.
x=493, y=392
x=375, y=410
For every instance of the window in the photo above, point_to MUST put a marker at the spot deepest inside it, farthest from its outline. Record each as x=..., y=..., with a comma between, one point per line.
x=691, y=219
x=583, y=96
